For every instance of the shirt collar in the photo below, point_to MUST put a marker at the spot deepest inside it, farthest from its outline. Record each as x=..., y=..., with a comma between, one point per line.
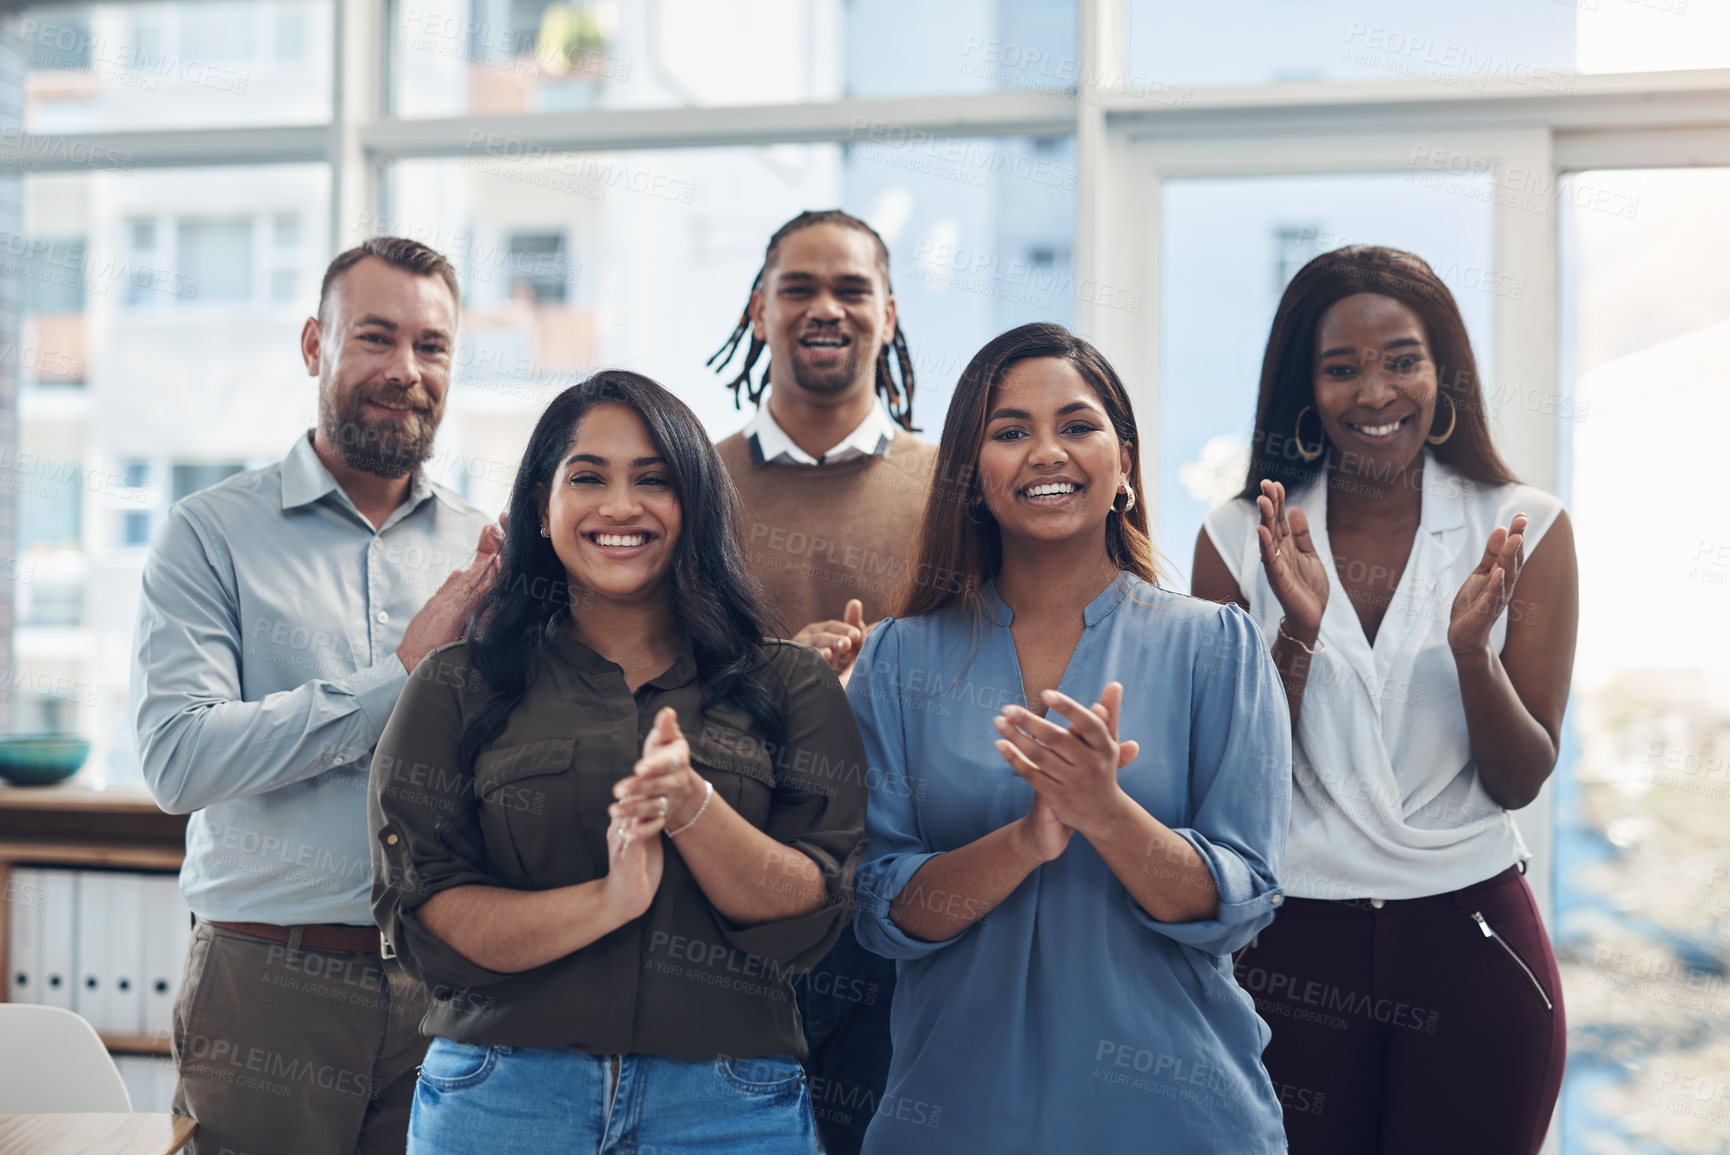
x=304, y=477
x=1445, y=491
x=770, y=444
x=1095, y=612
x=306, y=480
x=682, y=672
x=1442, y=503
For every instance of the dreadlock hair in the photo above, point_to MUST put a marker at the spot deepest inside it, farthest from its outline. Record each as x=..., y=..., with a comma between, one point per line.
x=897, y=393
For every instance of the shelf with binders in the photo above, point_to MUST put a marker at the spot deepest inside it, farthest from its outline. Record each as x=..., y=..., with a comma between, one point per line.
x=92, y=916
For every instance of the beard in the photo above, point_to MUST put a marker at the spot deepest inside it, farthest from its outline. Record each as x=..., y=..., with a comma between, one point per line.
x=827, y=382
x=387, y=447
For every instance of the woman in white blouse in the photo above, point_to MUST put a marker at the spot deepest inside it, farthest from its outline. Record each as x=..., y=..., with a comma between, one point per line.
x=1410, y=985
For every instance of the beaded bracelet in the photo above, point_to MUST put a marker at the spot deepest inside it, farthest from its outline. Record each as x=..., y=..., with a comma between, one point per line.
x=708, y=793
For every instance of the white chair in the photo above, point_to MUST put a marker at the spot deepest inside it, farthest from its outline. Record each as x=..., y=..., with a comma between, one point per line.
x=52, y=1062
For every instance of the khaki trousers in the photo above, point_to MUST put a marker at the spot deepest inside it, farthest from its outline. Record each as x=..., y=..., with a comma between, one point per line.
x=294, y=1051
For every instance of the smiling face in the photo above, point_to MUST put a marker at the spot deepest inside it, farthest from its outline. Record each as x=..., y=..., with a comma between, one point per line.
x=382, y=354
x=1051, y=463
x=825, y=311
x=1375, y=383
x=612, y=512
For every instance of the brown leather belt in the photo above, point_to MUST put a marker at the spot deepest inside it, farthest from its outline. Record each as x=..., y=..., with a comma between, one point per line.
x=317, y=936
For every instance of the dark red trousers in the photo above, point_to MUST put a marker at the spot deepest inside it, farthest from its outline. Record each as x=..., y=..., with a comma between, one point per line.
x=1419, y=1026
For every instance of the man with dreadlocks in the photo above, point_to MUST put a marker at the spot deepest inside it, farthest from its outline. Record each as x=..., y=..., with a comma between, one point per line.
x=833, y=483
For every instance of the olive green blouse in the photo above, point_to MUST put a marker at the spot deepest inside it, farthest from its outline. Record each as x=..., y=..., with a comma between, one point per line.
x=682, y=980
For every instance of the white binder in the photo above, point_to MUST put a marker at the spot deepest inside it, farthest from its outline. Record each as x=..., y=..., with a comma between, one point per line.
x=167, y=933
x=56, y=961
x=24, y=902
x=91, y=994
x=124, y=947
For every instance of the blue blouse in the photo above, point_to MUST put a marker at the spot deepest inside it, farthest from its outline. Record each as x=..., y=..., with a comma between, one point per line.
x=1069, y=1018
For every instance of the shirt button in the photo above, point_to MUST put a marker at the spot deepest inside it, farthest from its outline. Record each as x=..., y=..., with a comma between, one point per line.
x=1377, y=903
x=1278, y=898
x=390, y=840
x=336, y=759
x=383, y=615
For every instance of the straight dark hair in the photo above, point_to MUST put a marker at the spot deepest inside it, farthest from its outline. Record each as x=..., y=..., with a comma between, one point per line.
x=959, y=547
x=715, y=601
x=1288, y=364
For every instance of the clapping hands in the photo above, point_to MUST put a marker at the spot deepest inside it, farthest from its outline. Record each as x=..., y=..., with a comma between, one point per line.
x=1288, y=557
x=662, y=783
x=1488, y=589
x=1073, y=770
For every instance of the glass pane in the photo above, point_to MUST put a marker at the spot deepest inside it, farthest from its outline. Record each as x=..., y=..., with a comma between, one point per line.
x=188, y=478
x=1228, y=248
x=538, y=267
x=53, y=605
x=178, y=390
x=1461, y=45
x=50, y=509
x=135, y=528
x=214, y=258
x=55, y=276
x=175, y=64
x=1643, y=835
x=512, y=56
x=645, y=260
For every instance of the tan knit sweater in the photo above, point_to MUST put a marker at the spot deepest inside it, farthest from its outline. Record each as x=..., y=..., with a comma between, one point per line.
x=816, y=535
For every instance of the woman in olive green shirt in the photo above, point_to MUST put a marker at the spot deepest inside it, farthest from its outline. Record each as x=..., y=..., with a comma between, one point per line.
x=610, y=826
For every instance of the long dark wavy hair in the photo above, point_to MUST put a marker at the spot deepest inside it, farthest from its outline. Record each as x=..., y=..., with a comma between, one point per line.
x=959, y=546
x=715, y=602
x=1288, y=365
x=893, y=360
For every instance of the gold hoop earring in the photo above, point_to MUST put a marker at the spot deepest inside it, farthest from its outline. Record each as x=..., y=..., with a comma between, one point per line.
x=1453, y=415
x=1128, y=505
x=1305, y=451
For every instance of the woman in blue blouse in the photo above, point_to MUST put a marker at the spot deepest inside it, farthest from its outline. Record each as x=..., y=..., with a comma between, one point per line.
x=1122, y=850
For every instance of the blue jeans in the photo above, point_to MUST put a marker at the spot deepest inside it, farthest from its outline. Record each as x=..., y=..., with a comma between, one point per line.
x=534, y=1100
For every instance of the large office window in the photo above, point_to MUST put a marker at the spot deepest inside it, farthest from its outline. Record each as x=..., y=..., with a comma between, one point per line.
x=529, y=56
x=147, y=64
x=1644, y=823
x=1462, y=46
x=184, y=340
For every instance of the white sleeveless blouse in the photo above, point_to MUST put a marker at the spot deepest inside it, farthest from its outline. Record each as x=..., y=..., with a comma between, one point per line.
x=1386, y=801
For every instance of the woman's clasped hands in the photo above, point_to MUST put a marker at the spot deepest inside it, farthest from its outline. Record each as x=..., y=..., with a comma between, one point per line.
x=1073, y=769
x=661, y=784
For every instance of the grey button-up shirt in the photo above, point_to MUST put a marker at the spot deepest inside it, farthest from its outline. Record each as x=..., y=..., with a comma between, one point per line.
x=264, y=673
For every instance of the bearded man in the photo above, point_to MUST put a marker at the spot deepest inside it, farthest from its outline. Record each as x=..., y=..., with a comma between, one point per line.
x=283, y=611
